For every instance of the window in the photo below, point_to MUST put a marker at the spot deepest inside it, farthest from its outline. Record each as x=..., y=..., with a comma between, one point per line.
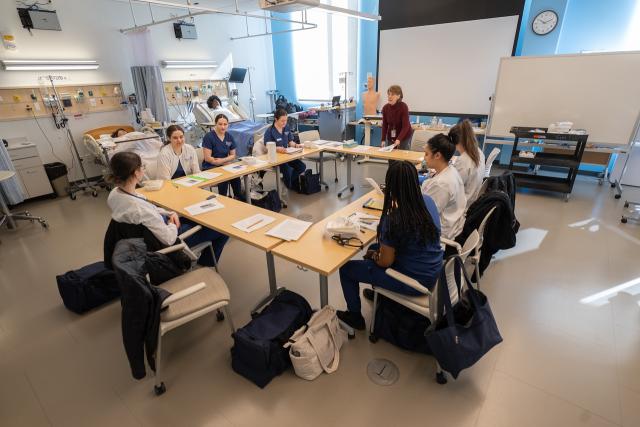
x=321, y=54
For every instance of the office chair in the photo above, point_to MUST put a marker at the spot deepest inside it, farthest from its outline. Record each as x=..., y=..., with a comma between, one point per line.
x=425, y=304
x=194, y=294
x=7, y=216
x=314, y=135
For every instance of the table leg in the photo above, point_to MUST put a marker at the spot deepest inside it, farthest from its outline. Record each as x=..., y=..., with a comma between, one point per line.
x=324, y=290
x=275, y=169
x=349, y=185
x=321, y=157
x=247, y=190
x=273, y=285
x=367, y=142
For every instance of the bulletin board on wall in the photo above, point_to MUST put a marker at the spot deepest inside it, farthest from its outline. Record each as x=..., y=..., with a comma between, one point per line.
x=18, y=103
x=181, y=91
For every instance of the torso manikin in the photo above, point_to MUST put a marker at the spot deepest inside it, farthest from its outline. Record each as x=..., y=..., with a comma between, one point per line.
x=370, y=100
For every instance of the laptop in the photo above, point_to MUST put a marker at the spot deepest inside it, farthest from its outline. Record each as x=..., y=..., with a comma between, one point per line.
x=335, y=102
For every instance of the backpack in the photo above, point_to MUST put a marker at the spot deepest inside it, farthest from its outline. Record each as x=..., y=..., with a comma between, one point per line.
x=87, y=288
x=282, y=102
x=258, y=352
x=308, y=183
x=401, y=326
x=268, y=200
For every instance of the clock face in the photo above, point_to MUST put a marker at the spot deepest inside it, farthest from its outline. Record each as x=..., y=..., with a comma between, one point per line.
x=544, y=22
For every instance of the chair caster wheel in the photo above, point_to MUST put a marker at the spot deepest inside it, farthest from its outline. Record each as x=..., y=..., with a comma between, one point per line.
x=72, y=196
x=44, y=224
x=623, y=220
x=613, y=185
x=94, y=193
x=159, y=389
x=351, y=188
x=339, y=195
x=373, y=338
x=626, y=204
x=617, y=196
x=254, y=314
x=219, y=316
x=441, y=377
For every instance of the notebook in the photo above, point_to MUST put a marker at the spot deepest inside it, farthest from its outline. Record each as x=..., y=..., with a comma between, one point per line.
x=372, y=203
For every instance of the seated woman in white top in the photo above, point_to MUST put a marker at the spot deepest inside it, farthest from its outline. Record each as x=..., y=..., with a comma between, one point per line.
x=470, y=163
x=177, y=159
x=130, y=207
x=445, y=186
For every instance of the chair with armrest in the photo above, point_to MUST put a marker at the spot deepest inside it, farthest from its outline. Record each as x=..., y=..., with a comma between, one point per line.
x=425, y=304
x=193, y=294
x=489, y=162
x=314, y=135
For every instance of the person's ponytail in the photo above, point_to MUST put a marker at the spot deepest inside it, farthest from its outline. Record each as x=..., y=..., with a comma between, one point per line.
x=463, y=134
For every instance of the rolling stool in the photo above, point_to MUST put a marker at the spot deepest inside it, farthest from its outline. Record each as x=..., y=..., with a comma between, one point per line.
x=7, y=216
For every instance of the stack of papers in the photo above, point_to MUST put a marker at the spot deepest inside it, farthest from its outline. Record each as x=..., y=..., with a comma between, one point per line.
x=322, y=142
x=253, y=223
x=203, y=207
x=292, y=150
x=361, y=148
x=234, y=168
x=386, y=149
x=205, y=175
x=289, y=230
x=365, y=220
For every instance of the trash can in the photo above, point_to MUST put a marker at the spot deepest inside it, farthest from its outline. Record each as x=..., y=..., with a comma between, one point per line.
x=57, y=174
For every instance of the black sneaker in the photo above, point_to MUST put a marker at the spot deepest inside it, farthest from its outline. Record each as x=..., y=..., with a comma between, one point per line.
x=355, y=320
x=367, y=294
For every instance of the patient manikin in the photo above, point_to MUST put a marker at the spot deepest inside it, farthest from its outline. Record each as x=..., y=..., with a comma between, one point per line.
x=148, y=149
x=370, y=98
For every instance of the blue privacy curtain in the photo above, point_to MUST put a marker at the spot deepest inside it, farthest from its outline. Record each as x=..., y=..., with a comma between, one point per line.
x=147, y=82
x=10, y=187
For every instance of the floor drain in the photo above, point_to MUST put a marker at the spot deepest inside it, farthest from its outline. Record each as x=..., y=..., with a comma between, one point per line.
x=383, y=372
x=305, y=217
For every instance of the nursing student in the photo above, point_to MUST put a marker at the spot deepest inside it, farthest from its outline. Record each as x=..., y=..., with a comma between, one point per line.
x=130, y=207
x=280, y=133
x=445, y=186
x=408, y=241
x=396, y=128
x=219, y=149
x=177, y=159
x=470, y=162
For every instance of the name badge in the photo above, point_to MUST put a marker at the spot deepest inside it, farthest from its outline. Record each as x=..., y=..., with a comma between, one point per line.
x=393, y=133
x=278, y=139
x=228, y=143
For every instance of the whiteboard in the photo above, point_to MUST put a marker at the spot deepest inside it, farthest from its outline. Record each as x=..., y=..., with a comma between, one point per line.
x=446, y=68
x=598, y=92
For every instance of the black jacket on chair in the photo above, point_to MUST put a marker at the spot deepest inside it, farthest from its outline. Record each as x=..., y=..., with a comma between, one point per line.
x=141, y=303
x=501, y=229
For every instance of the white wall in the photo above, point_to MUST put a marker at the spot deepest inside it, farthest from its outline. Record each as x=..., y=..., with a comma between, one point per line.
x=90, y=31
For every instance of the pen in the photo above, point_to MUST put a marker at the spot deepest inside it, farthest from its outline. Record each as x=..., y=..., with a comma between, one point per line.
x=213, y=196
x=254, y=224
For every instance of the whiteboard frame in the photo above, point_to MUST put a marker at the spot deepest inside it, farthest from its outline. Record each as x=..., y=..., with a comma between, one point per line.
x=634, y=130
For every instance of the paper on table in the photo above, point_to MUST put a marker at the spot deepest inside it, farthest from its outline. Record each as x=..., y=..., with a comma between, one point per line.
x=206, y=175
x=204, y=206
x=386, y=149
x=188, y=181
x=234, y=168
x=253, y=223
x=290, y=229
x=292, y=150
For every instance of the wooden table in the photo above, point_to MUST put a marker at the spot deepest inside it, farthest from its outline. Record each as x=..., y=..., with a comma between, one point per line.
x=221, y=220
x=322, y=254
x=351, y=153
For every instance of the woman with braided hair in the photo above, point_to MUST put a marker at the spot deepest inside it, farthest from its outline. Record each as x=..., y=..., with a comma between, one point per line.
x=408, y=241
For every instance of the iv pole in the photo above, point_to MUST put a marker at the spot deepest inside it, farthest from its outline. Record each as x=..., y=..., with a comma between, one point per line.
x=61, y=121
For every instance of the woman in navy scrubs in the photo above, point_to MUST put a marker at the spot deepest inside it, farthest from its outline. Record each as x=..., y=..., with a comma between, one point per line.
x=177, y=159
x=219, y=149
x=280, y=133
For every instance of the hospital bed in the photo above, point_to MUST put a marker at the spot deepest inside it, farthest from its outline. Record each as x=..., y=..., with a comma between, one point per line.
x=243, y=130
x=100, y=144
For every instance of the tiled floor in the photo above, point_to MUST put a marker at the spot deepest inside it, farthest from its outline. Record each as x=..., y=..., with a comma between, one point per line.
x=570, y=356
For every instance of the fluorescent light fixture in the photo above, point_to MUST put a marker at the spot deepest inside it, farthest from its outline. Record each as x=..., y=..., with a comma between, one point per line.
x=47, y=64
x=189, y=64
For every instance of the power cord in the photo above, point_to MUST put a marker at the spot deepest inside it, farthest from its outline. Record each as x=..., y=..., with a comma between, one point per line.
x=53, y=152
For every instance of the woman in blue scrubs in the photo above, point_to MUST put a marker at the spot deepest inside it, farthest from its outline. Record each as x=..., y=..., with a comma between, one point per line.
x=219, y=149
x=408, y=242
x=280, y=133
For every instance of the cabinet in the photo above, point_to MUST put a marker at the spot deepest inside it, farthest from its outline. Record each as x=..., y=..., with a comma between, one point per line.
x=561, y=152
x=29, y=168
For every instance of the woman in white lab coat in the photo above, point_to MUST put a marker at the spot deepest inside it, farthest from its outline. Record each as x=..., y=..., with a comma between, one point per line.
x=177, y=159
x=445, y=185
x=130, y=207
x=470, y=163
